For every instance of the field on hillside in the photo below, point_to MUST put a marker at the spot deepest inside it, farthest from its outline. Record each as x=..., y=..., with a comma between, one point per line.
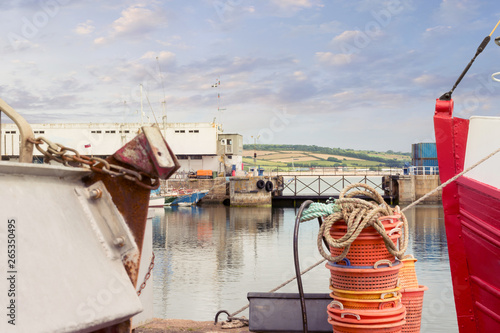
x=295, y=158
x=288, y=156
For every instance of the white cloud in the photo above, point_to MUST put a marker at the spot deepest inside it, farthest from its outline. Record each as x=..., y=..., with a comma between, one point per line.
x=347, y=36
x=300, y=76
x=19, y=43
x=85, y=28
x=163, y=56
x=357, y=36
x=457, y=11
x=293, y=3
x=287, y=7
x=135, y=21
x=424, y=79
x=331, y=27
x=437, y=30
x=334, y=59
x=100, y=40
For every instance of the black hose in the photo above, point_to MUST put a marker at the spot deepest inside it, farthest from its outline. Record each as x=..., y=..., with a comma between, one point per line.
x=297, y=265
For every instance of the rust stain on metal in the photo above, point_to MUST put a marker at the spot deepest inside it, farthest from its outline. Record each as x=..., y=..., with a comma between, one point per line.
x=132, y=264
x=135, y=153
x=146, y=153
x=150, y=153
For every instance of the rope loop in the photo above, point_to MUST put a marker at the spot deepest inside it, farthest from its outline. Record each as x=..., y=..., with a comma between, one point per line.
x=358, y=214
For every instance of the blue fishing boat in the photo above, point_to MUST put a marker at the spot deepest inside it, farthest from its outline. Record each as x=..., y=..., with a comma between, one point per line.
x=188, y=199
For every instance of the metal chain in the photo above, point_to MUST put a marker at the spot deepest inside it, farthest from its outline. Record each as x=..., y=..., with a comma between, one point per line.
x=148, y=275
x=59, y=153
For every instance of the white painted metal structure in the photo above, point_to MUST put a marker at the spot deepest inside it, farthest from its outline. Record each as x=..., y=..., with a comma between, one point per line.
x=67, y=273
x=483, y=139
x=146, y=297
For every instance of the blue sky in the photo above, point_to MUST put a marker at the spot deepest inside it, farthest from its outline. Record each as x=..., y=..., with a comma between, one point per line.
x=348, y=74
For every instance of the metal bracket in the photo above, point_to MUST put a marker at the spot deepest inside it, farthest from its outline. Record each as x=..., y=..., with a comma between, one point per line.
x=107, y=222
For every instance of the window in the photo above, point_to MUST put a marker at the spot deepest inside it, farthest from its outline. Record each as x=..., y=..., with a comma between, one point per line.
x=182, y=157
x=183, y=131
x=191, y=131
x=196, y=131
x=113, y=131
x=229, y=141
x=196, y=157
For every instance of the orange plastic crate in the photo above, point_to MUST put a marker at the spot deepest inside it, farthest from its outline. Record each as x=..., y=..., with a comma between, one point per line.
x=339, y=327
x=365, y=316
x=407, y=273
x=366, y=250
x=413, y=300
x=368, y=304
x=364, y=279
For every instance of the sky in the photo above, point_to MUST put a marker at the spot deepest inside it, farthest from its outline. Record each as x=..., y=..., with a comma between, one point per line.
x=344, y=74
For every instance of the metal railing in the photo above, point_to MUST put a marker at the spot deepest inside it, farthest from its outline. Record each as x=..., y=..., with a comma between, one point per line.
x=334, y=171
x=422, y=170
x=324, y=186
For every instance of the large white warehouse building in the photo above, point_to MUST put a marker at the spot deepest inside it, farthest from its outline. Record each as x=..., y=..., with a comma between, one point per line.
x=198, y=146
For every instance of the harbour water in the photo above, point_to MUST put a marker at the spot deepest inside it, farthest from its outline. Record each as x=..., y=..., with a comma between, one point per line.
x=208, y=258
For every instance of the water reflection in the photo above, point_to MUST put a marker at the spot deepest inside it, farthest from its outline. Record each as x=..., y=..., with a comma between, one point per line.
x=428, y=244
x=208, y=258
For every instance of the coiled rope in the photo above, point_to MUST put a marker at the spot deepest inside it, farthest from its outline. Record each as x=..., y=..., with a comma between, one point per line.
x=359, y=214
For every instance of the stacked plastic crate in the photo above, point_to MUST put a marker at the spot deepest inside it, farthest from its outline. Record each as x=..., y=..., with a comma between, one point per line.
x=365, y=285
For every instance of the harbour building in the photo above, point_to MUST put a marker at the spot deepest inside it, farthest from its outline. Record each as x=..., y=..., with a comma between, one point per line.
x=198, y=146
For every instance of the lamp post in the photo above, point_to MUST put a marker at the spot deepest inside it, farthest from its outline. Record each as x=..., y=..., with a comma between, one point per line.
x=255, y=151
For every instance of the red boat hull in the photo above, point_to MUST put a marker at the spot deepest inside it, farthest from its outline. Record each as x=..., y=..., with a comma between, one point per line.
x=472, y=218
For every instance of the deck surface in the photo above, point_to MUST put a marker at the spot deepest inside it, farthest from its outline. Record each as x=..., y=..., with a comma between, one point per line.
x=180, y=325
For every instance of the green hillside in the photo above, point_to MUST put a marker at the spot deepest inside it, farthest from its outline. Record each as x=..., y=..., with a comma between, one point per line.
x=315, y=156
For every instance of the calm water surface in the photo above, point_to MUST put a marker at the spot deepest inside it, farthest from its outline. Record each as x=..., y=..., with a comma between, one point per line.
x=208, y=258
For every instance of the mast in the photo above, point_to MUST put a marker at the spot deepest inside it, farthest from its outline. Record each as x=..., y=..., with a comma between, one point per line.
x=142, y=112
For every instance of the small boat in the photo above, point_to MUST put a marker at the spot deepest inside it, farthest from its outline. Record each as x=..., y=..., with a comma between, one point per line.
x=472, y=209
x=190, y=198
x=156, y=201
x=170, y=198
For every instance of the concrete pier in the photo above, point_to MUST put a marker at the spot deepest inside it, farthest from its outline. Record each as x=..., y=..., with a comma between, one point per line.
x=251, y=191
x=408, y=188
